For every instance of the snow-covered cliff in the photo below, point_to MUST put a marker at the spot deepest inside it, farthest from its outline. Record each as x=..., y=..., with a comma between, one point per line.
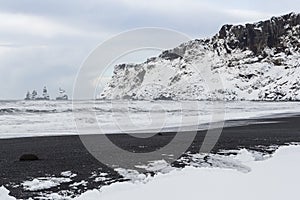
x=258, y=61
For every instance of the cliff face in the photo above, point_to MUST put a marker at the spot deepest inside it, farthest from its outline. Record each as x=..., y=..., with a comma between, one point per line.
x=259, y=61
x=258, y=36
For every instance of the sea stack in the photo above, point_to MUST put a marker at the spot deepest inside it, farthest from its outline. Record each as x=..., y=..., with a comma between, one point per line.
x=34, y=95
x=62, y=95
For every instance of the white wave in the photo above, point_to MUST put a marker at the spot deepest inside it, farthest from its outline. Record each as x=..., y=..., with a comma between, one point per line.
x=131, y=116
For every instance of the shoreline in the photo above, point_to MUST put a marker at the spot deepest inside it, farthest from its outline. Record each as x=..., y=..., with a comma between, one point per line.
x=67, y=153
x=201, y=127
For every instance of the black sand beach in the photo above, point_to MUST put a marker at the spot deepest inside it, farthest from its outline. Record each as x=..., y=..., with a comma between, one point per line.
x=67, y=153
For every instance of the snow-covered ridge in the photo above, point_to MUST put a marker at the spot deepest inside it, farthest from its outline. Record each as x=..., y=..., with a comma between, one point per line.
x=257, y=61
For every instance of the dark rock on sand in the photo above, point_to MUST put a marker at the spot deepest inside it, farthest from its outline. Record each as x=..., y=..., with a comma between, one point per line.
x=29, y=157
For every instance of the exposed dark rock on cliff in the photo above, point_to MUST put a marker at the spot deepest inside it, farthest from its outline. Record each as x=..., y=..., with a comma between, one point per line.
x=260, y=35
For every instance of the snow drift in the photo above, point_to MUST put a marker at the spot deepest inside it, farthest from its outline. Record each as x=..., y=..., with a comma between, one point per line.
x=274, y=178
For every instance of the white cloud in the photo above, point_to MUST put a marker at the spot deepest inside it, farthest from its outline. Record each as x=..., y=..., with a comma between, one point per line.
x=247, y=15
x=167, y=6
x=196, y=7
x=17, y=23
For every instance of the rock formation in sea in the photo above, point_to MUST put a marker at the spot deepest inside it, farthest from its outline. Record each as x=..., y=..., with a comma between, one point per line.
x=45, y=95
x=62, y=95
x=34, y=95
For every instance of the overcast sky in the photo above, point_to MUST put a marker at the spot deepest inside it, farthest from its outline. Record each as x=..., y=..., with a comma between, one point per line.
x=45, y=42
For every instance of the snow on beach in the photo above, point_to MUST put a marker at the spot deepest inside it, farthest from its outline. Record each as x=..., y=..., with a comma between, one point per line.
x=44, y=183
x=231, y=176
x=274, y=178
x=4, y=194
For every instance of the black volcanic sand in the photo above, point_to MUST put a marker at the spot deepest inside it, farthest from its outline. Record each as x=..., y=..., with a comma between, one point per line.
x=67, y=153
